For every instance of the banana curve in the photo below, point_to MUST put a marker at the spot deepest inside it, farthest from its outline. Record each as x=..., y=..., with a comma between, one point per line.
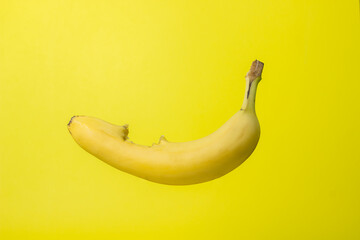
x=171, y=163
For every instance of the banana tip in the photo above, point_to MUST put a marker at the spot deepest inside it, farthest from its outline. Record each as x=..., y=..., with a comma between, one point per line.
x=71, y=120
x=255, y=70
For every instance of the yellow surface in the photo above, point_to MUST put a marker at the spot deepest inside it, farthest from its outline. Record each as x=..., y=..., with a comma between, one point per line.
x=177, y=68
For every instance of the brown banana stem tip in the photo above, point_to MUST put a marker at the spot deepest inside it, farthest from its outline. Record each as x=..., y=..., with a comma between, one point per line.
x=255, y=70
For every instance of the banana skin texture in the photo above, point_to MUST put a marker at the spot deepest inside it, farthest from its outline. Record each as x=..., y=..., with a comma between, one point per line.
x=174, y=163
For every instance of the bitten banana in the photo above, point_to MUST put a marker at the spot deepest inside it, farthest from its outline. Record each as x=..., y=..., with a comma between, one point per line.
x=176, y=163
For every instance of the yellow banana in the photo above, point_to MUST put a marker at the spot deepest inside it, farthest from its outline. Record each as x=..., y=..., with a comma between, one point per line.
x=176, y=163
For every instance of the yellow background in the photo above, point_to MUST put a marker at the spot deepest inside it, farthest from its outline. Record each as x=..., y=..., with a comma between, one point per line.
x=177, y=68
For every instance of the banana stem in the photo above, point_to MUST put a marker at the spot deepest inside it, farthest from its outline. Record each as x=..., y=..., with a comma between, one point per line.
x=253, y=77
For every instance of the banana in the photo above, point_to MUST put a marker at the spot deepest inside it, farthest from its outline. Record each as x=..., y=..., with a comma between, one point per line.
x=173, y=163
